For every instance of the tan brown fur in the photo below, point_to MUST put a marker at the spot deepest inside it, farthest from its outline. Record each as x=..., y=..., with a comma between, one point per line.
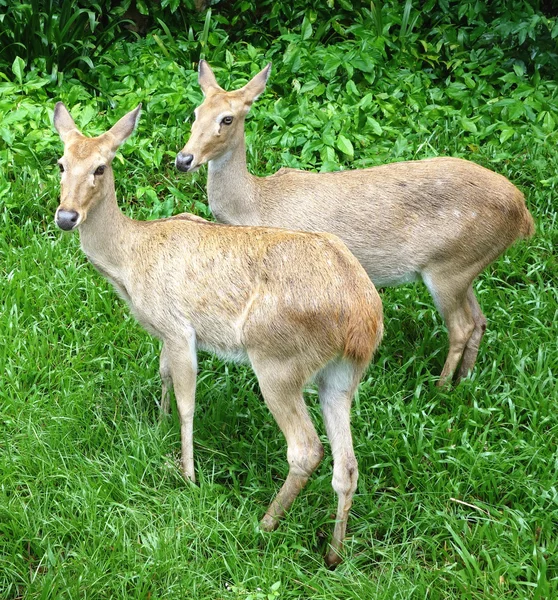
x=442, y=220
x=295, y=305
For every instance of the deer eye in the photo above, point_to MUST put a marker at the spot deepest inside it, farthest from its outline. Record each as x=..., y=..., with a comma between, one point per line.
x=226, y=120
x=100, y=170
x=61, y=167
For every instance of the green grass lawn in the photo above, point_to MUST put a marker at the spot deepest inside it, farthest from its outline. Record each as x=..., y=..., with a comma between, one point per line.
x=458, y=489
x=457, y=495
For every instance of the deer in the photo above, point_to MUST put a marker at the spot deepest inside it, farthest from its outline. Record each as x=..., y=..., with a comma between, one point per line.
x=442, y=220
x=296, y=306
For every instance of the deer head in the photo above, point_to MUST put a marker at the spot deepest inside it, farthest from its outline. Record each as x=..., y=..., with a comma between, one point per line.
x=219, y=120
x=85, y=167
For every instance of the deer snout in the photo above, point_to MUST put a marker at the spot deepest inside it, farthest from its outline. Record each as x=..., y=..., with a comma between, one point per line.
x=184, y=161
x=66, y=219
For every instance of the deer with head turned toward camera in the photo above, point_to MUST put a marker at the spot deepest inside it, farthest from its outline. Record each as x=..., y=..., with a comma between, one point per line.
x=442, y=220
x=294, y=305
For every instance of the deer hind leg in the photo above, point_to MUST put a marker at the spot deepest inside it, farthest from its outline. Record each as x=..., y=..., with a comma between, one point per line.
x=472, y=346
x=337, y=383
x=281, y=385
x=451, y=299
x=166, y=381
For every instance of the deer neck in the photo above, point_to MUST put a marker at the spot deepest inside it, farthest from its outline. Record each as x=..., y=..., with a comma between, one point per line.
x=107, y=235
x=231, y=189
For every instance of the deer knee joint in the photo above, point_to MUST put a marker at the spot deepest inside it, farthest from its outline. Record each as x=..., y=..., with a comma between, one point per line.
x=304, y=459
x=345, y=476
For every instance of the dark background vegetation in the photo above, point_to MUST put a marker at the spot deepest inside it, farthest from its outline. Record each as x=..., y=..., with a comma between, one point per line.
x=458, y=493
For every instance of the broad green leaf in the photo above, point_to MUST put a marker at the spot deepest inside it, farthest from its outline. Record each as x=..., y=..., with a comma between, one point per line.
x=327, y=138
x=548, y=122
x=4, y=188
x=506, y=134
x=87, y=61
x=306, y=29
x=345, y=145
x=87, y=114
x=18, y=67
x=142, y=8
x=309, y=85
x=7, y=135
x=366, y=101
x=517, y=109
x=352, y=88
x=327, y=154
x=161, y=45
x=519, y=69
x=292, y=57
x=331, y=65
x=376, y=127
x=366, y=65
x=468, y=125
x=319, y=89
x=252, y=52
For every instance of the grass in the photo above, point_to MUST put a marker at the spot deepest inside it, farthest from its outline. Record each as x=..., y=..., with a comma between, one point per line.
x=457, y=496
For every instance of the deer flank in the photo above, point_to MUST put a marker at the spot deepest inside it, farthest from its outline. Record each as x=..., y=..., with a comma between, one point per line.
x=442, y=220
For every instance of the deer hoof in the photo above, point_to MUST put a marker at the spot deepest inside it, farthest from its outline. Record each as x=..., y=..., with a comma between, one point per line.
x=269, y=523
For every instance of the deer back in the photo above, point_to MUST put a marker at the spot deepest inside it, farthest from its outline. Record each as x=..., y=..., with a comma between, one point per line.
x=398, y=219
x=243, y=287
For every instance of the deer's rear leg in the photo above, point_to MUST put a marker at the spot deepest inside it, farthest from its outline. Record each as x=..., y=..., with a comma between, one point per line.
x=472, y=346
x=450, y=296
x=336, y=387
x=166, y=381
x=282, y=392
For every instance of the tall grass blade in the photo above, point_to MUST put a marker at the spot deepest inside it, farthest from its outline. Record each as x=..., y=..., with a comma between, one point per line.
x=405, y=19
x=205, y=33
x=377, y=17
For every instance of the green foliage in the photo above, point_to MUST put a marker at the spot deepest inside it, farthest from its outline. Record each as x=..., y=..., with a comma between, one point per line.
x=457, y=494
x=62, y=36
x=57, y=36
x=517, y=27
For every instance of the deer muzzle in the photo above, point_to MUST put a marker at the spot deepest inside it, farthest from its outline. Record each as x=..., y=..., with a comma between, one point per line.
x=66, y=219
x=184, y=161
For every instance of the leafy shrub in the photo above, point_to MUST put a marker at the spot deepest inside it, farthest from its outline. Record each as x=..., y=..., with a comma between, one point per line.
x=523, y=30
x=62, y=35
x=408, y=93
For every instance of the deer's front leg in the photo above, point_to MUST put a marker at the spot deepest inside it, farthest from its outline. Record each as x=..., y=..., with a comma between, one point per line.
x=182, y=361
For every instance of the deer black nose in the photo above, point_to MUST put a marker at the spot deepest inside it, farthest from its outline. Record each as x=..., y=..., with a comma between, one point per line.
x=184, y=161
x=67, y=219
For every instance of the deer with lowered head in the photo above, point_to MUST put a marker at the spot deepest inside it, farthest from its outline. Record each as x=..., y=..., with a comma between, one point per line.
x=442, y=220
x=295, y=305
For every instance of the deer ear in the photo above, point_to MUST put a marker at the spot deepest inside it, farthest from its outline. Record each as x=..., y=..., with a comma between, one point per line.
x=124, y=128
x=255, y=87
x=207, y=80
x=63, y=121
